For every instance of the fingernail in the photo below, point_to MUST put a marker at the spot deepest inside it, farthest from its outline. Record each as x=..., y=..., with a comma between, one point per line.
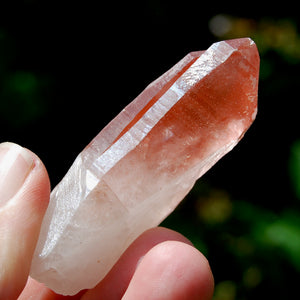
x=15, y=165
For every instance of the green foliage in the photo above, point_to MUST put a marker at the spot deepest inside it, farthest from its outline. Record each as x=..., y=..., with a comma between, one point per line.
x=283, y=234
x=294, y=166
x=278, y=35
x=21, y=101
x=21, y=91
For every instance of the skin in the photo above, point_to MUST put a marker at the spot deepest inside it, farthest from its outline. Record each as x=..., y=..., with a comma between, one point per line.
x=160, y=264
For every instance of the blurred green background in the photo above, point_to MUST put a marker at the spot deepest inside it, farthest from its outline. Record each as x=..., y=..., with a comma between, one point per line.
x=67, y=68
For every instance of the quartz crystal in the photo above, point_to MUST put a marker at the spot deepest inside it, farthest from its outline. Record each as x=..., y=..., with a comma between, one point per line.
x=142, y=164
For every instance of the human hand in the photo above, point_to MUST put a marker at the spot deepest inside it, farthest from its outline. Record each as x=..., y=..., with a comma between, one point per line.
x=160, y=264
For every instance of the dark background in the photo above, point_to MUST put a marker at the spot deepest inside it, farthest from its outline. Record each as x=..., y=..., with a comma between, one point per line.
x=67, y=68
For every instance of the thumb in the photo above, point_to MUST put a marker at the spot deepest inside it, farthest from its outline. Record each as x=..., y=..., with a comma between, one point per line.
x=24, y=196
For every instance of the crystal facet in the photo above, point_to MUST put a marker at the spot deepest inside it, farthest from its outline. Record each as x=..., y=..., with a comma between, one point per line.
x=142, y=164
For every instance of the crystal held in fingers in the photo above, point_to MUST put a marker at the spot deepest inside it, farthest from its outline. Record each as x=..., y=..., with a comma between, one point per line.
x=142, y=164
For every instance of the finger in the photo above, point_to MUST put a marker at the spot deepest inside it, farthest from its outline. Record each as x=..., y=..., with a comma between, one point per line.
x=38, y=291
x=172, y=270
x=24, y=196
x=114, y=285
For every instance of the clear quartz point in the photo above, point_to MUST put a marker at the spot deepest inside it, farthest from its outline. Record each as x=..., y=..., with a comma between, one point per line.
x=142, y=164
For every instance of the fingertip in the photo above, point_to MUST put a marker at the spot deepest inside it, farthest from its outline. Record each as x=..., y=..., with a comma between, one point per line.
x=25, y=191
x=172, y=270
x=114, y=285
x=36, y=188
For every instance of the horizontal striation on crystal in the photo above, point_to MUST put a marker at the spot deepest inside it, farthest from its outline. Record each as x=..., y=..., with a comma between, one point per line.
x=142, y=164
